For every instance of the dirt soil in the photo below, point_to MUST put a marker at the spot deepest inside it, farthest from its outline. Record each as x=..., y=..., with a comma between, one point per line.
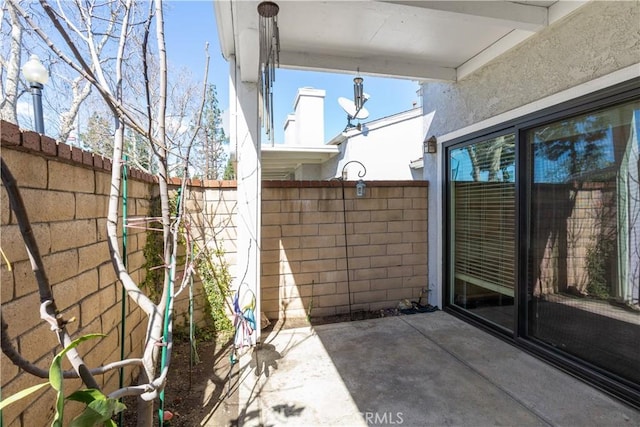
x=201, y=393
x=195, y=392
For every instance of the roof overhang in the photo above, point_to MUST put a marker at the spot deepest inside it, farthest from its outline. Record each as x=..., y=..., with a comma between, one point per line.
x=419, y=40
x=280, y=162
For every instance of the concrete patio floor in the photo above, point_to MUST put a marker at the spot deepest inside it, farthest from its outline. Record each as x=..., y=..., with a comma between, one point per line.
x=420, y=370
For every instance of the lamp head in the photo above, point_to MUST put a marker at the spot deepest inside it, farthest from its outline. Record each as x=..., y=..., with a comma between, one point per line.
x=34, y=71
x=430, y=145
x=360, y=186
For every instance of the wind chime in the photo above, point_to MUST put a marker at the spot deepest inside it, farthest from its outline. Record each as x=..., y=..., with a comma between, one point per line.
x=269, y=60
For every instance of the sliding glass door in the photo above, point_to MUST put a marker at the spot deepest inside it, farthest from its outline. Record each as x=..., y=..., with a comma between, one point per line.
x=482, y=228
x=543, y=234
x=584, y=261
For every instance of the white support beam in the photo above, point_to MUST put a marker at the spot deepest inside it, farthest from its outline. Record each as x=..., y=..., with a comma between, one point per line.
x=224, y=25
x=502, y=13
x=560, y=9
x=556, y=12
x=246, y=39
x=492, y=52
x=249, y=55
x=245, y=136
x=398, y=68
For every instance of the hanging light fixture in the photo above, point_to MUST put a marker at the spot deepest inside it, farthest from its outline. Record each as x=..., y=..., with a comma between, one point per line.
x=360, y=186
x=430, y=145
x=269, y=60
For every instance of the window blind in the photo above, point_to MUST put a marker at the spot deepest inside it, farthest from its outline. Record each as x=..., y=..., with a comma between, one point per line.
x=484, y=233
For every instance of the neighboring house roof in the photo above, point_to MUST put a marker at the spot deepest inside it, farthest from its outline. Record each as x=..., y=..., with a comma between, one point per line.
x=376, y=124
x=385, y=147
x=416, y=164
x=279, y=162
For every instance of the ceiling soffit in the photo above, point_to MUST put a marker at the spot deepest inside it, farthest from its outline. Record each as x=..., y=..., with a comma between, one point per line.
x=420, y=40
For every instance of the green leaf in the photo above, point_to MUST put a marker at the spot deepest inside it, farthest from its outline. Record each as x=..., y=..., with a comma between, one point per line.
x=55, y=371
x=99, y=411
x=108, y=407
x=57, y=420
x=55, y=376
x=22, y=393
x=88, y=417
x=87, y=395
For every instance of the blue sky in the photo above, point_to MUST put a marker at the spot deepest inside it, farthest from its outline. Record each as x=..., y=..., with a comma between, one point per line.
x=189, y=24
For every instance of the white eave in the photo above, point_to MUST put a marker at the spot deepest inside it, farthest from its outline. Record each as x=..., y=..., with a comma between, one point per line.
x=416, y=164
x=281, y=161
x=419, y=40
x=377, y=124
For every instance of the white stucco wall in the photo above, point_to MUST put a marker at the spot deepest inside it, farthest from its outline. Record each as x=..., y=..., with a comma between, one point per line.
x=307, y=172
x=594, y=40
x=588, y=49
x=386, y=148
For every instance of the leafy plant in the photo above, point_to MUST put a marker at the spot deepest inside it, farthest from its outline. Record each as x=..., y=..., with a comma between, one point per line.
x=216, y=280
x=181, y=332
x=100, y=408
x=598, y=257
x=22, y=394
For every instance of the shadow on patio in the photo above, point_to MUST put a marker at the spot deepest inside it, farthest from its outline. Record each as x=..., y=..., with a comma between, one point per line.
x=424, y=369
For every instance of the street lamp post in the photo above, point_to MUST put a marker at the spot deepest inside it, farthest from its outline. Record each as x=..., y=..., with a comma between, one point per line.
x=37, y=76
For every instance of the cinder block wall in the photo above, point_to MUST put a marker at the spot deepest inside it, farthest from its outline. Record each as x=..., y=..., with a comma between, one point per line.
x=586, y=217
x=304, y=262
x=65, y=191
x=211, y=207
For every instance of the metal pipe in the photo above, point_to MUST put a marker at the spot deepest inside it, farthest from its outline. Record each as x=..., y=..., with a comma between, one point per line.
x=344, y=217
x=123, y=305
x=36, y=94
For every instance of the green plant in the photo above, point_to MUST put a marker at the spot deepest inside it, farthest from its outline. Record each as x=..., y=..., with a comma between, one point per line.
x=216, y=280
x=99, y=409
x=598, y=258
x=154, y=247
x=181, y=332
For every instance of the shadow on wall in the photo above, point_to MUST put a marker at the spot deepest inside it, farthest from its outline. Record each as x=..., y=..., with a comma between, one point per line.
x=304, y=266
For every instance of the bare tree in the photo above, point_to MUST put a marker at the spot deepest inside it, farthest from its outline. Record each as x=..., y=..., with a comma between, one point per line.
x=493, y=157
x=81, y=51
x=70, y=92
x=10, y=67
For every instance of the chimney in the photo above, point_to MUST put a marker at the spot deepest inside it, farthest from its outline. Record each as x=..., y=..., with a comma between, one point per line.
x=308, y=118
x=290, y=130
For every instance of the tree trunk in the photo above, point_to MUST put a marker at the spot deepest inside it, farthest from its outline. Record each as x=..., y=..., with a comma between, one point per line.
x=10, y=95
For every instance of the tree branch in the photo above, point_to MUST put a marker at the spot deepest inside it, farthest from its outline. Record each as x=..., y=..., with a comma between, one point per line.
x=10, y=351
x=8, y=105
x=46, y=296
x=83, y=68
